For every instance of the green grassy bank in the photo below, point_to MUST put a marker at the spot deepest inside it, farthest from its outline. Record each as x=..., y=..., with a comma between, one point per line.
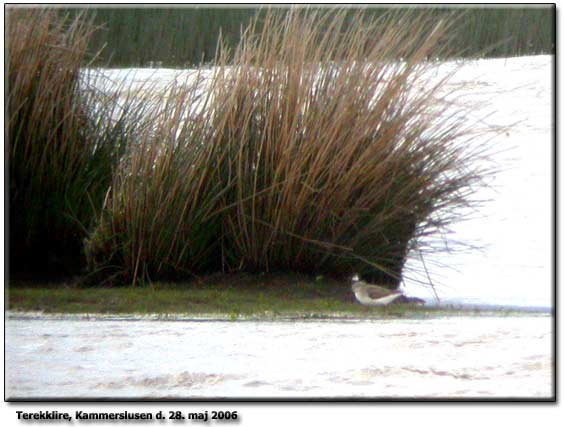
x=224, y=294
x=229, y=297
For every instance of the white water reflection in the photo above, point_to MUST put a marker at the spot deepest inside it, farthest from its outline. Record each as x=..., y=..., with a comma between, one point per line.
x=514, y=228
x=437, y=357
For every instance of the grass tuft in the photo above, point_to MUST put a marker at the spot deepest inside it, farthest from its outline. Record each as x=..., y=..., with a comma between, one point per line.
x=319, y=148
x=64, y=140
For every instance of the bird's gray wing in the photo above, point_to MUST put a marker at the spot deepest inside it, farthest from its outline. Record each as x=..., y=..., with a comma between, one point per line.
x=375, y=292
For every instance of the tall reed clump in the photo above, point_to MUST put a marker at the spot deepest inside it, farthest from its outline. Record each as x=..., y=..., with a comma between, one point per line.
x=320, y=148
x=63, y=140
x=158, y=219
x=342, y=146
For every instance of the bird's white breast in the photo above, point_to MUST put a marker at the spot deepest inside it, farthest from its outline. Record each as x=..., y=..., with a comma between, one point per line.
x=365, y=299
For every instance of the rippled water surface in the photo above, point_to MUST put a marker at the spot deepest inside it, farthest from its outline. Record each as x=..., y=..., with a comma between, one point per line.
x=459, y=356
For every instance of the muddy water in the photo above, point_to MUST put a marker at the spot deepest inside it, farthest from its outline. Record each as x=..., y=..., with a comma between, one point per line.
x=459, y=356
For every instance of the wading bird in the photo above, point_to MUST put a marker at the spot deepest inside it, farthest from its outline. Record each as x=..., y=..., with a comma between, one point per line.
x=375, y=296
